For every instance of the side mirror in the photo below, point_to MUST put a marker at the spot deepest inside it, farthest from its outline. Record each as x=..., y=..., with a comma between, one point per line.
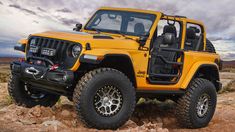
x=78, y=27
x=143, y=39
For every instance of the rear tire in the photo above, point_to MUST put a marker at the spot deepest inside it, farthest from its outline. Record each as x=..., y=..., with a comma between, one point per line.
x=23, y=95
x=196, y=108
x=210, y=47
x=94, y=98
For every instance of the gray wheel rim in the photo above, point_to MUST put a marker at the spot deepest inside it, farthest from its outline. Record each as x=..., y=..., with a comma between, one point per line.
x=108, y=100
x=203, y=105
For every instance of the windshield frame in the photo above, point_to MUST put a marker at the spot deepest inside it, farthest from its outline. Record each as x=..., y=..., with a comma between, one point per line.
x=116, y=31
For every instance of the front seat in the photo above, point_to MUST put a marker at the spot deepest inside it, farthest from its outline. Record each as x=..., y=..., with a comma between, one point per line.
x=158, y=66
x=139, y=29
x=170, y=29
x=191, y=41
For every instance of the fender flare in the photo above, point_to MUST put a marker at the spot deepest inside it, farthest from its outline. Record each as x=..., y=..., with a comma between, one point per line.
x=119, y=61
x=22, y=45
x=102, y=54
x=23, y=41
x=194, y=70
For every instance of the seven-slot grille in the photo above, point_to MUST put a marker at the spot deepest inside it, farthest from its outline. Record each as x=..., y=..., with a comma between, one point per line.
x=53, y=49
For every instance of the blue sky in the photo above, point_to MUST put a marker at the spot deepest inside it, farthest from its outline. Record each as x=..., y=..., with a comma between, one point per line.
x=19, y=18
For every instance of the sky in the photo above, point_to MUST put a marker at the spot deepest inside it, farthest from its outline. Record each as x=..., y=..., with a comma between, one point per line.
x=20, y=18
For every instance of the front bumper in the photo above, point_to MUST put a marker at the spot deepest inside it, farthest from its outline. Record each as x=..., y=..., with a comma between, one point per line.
x=57, y=81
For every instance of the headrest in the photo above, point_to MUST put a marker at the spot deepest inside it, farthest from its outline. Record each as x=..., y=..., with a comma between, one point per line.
x=190, y=33
x=169, y=39
x=197, y=30
x=170, y=29
x=139, y=28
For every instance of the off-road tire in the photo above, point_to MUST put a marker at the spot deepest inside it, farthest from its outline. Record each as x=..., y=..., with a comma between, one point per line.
x=21, y=98
x=186, y=109
x=210, y=47
x=84, y=95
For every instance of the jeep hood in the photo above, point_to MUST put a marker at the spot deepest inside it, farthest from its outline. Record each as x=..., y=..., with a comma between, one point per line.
x=97, y=41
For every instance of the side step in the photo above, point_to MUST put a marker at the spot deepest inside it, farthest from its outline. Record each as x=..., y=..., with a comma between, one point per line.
x=163, y=75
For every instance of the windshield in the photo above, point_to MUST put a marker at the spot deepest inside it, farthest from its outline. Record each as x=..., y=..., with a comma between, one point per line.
x=121, y=22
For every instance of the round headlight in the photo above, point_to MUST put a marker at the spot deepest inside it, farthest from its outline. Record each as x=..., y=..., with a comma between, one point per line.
x=76, y=50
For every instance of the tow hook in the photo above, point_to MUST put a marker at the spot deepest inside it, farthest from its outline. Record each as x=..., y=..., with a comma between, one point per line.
x=32, y=71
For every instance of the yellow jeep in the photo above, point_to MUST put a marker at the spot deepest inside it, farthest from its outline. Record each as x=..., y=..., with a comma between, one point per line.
x=119, y=56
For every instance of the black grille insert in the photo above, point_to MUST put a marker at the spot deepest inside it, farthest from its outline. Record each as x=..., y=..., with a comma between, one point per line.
x=60, y=49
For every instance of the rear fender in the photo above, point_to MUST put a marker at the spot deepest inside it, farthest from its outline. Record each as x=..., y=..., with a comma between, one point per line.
x=195, y=69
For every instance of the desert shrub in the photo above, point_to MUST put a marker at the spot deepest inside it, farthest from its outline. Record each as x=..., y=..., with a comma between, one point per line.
x=4, y=77
x=230, y=87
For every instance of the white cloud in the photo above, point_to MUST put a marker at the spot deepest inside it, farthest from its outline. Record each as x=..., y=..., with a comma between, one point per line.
x=226, y=48
x=17, y=21
x=216, y=14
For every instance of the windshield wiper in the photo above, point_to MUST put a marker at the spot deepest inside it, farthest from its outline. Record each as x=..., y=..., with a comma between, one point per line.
x=124, y=35
x=95, y=29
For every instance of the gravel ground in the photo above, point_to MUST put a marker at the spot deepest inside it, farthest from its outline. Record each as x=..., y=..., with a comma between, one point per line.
x=151, y=116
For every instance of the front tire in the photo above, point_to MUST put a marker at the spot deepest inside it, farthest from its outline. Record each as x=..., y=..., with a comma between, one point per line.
x=24, y=95
x=196, y=108
x=104, y=98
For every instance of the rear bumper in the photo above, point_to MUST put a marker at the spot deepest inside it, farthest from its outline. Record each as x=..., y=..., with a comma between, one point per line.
x=56, y=81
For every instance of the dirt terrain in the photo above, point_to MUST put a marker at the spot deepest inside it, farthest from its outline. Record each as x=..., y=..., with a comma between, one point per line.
x=150, y=115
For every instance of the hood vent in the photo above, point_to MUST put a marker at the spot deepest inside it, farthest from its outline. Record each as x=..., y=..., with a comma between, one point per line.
x=102, y=37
